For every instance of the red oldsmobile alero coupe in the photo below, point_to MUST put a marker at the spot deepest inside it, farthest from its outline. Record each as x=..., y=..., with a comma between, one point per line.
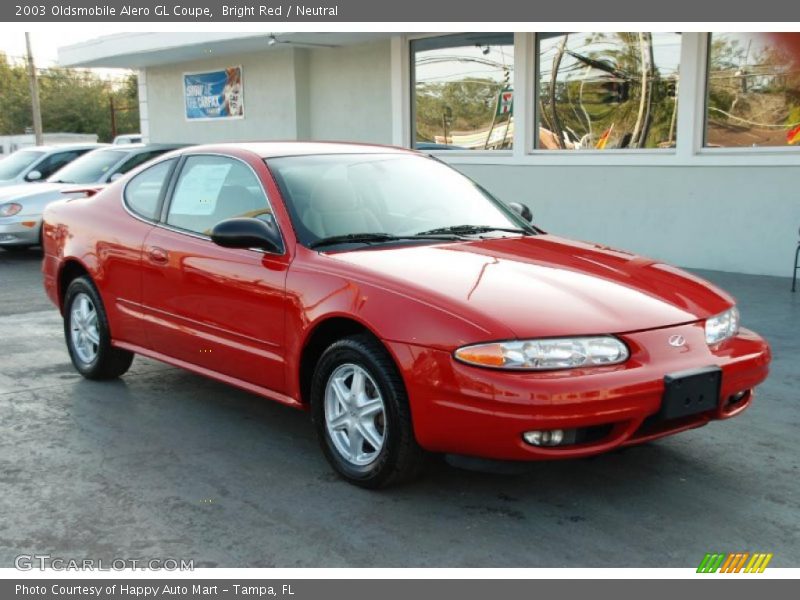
x=404, y=306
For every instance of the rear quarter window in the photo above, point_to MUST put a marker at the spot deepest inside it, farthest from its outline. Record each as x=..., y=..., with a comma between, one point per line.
x=143, y=192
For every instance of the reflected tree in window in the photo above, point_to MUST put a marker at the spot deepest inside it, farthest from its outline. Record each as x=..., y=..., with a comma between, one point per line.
x=608, y=90
x=753, y=90
x=463, y=91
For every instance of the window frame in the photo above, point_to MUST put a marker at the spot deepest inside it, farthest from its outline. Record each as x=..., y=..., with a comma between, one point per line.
x=410, y=66
x=170, y=192
x=533, y=109
x=702, y=134
x=689, y=150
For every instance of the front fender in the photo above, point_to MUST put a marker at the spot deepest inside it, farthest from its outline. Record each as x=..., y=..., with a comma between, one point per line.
x=390, y=314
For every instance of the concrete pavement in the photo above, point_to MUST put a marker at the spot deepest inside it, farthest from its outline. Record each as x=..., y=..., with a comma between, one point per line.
x=163, y=463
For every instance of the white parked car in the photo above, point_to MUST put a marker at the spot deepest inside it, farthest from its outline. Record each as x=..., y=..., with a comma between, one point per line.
x=128, y=138
x=37, y=163
x=21, y=206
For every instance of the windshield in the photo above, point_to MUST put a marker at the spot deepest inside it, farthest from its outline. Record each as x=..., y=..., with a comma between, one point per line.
x=398, y=195
x=89, y=168
x=16, y=163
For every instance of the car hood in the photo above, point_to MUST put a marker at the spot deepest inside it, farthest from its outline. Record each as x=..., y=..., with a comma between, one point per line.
x=27, y=190
x=541, y=285
x=7, y=182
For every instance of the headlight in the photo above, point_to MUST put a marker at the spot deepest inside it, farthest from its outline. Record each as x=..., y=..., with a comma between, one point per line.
x=722, y=326
x=10, y=209
x=546, y=354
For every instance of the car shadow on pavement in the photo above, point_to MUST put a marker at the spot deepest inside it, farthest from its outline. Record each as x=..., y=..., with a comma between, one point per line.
x=167, y=463
x=209, y=442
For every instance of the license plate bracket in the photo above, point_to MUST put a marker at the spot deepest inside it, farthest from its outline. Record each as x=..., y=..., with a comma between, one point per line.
x=691, y=392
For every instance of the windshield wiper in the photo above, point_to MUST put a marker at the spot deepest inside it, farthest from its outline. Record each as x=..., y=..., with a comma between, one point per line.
x=376, y=238
x=472, y=229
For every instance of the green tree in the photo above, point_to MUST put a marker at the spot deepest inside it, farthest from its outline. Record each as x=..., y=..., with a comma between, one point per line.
x=72, y=100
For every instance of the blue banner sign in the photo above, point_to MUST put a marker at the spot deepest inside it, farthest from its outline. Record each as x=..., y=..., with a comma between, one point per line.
x=214, y=94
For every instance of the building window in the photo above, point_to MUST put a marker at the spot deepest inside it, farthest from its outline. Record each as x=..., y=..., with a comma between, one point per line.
x=753, y=90
x=463, y=88
x=604, y=91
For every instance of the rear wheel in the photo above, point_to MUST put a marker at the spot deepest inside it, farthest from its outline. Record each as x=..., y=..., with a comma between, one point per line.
x=362, y=416
x=88, y=335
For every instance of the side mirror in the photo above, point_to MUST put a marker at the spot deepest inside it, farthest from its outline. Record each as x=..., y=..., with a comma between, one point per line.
x=34, y=176
x=243, y=232
x=522, y=210
x=115, y=176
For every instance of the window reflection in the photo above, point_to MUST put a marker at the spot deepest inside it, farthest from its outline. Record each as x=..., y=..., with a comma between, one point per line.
x=463, y=91
x=753, y=90
x=602, y=91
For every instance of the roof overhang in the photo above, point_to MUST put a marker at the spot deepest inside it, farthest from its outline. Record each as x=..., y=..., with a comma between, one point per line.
x=146, y=49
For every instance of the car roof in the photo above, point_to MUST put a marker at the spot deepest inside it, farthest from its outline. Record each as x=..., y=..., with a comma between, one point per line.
x=138, y=148
x=276, y=149
x=62, y=147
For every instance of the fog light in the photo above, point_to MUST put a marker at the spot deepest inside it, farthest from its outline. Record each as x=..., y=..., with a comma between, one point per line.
x=737, y=397
x=544, y=438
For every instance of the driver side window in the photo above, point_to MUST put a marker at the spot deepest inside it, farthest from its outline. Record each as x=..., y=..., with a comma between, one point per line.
x=211, y=189
x=54, y=162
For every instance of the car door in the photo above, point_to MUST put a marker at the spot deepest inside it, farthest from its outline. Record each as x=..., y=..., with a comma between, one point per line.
x=121, y=250
x=219, y=309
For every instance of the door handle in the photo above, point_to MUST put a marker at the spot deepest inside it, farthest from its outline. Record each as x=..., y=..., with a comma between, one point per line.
x=158, y=255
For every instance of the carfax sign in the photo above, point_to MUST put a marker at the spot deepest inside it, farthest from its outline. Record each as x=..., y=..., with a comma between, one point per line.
x=214, y=94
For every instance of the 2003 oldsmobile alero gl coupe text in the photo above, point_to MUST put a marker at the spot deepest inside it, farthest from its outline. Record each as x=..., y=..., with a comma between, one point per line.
x=409, y=310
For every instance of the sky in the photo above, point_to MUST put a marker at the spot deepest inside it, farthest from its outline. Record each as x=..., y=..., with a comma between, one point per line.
x=45, y=44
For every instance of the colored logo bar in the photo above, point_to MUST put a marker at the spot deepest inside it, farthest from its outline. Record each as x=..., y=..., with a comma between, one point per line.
x=735, y=562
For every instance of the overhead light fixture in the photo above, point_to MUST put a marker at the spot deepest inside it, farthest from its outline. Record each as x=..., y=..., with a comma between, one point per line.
x=274, y=41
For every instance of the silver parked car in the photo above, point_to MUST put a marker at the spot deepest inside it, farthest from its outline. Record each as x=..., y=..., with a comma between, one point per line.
x=128, y=138
x=37, y=163
x=21, y=206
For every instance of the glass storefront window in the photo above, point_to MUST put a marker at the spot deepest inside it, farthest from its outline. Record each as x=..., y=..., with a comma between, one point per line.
x=753, y=90
x=604, y=91
x=463, y=88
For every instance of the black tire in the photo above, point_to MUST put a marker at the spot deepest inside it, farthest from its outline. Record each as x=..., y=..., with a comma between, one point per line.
x=108, y=362
x=401, y=458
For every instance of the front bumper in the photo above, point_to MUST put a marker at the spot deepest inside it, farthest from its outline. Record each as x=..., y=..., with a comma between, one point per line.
x=20, y=230
x=472, y=411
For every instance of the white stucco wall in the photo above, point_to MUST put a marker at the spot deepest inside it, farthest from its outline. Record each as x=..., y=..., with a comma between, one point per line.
x=740, y=219
x=289, y=93
x=269, y=100
x=350, y=93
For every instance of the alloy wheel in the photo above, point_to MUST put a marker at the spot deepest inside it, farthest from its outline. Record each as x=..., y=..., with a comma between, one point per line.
x=355, y=415
x=84, y=334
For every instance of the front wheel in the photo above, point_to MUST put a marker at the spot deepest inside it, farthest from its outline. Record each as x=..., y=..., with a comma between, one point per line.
x=88, y=335
x=361, y=413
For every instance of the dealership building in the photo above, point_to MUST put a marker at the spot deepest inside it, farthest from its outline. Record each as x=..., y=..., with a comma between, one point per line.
x=684, y=147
